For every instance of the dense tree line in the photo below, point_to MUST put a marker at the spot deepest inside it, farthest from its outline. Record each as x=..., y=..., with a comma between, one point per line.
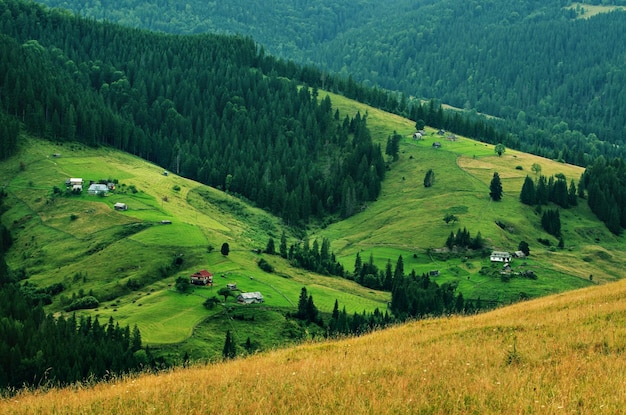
x=553, y=189
x=463, y=240
x=9, y=130
x=341, y=323
x=605, y=183
x=566, y=104
x=551, y=222
x=212, y=108
x=416, y=296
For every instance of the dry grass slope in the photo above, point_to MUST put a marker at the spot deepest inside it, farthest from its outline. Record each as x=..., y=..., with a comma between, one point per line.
x=558, y=354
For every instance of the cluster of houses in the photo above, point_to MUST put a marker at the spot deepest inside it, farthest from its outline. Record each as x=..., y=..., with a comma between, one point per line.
x=95, y=189
x=204, y=277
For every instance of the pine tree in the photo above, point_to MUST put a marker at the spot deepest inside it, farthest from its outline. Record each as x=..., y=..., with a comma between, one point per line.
x=527, y=195
x=429, y=178
x=270, y=249
x=495, y=188
x=230, y=350
x=283, y=245
x=303, y=301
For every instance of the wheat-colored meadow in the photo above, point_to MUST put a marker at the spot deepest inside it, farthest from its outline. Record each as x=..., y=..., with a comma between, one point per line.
x=559, y=354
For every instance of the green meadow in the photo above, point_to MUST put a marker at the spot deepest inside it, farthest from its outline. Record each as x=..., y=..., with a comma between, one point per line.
x=130, y=260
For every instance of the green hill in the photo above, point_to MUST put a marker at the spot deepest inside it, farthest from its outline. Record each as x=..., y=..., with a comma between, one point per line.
x=129, y=260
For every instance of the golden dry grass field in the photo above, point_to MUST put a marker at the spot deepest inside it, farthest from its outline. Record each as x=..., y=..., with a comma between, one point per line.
x=558, y=354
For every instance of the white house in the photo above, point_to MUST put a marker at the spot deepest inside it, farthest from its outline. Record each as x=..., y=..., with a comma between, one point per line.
x=98, y=189
x=499, y=256
x=76, y=183
x=120, y=206
x=250, y=298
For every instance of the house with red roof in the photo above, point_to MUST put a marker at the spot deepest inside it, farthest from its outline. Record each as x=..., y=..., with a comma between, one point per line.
x=202, y=277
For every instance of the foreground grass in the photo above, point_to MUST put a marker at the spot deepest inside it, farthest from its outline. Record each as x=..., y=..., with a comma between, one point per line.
x=558, y=354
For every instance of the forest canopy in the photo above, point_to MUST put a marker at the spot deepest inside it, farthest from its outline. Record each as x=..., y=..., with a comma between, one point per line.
x=209, y=107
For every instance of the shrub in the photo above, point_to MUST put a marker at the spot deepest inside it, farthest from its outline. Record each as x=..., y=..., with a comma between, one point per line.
x=265, y=266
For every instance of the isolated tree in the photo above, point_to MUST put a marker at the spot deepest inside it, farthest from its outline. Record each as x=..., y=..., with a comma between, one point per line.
x=449, y=217
x=420, y=124
x=303, y=302
x=429, y=179
x=393, y=146
x=270, y=248
x=283, y=245
x=523, y=246
x=230, y=349
x=225, y=292
x=499, y=149
x=495, y=188
x=536, y=168
x=182, y=284
x=225, y=249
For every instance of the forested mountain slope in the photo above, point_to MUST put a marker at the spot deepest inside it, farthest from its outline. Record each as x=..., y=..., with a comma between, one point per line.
x=212, y=108
x=556, y=78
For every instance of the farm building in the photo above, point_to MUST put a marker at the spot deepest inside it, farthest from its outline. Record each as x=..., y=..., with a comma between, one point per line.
x=498, y=256
x=120, y=206
x=98, y=189
x=202, y=277
x=250, y=298
x=231, y=286
x=75, y=183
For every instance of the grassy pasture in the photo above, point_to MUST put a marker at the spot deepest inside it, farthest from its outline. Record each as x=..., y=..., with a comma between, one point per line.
x=407, y=219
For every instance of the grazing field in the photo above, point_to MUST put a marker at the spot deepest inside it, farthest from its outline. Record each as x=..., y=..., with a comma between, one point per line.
x=557, y=354
x=407, y=219
x=130, y=260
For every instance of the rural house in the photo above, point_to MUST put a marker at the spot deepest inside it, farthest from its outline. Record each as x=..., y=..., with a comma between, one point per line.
x=120, y=206
x=75, y=183
x=98, y=189
x=499, y=256
x=202, y=277
x=436, y=144
x=250, y=298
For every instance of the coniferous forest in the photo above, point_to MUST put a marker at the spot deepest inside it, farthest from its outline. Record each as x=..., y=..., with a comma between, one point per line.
x=552, y=75
x=211, y=108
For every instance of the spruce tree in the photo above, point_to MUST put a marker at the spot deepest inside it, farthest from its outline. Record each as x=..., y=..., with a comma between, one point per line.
x=270, y=248
x=495, y=188
x=527, y=195
x=229, y=351
x=283, y=245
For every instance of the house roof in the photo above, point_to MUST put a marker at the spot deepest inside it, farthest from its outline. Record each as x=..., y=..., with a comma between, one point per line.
x=99, y=187
x=120, y=204
x=252, y=296
x=202, y=273
x=500, y=253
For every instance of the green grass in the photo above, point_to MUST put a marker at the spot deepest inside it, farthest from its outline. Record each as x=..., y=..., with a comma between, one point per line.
x=84, y=243
x=407, y=219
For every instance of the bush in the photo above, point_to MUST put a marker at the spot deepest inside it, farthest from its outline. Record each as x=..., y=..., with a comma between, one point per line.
x=265, y=266
x=83, y=303
x=210, y=303
x=183, y=285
